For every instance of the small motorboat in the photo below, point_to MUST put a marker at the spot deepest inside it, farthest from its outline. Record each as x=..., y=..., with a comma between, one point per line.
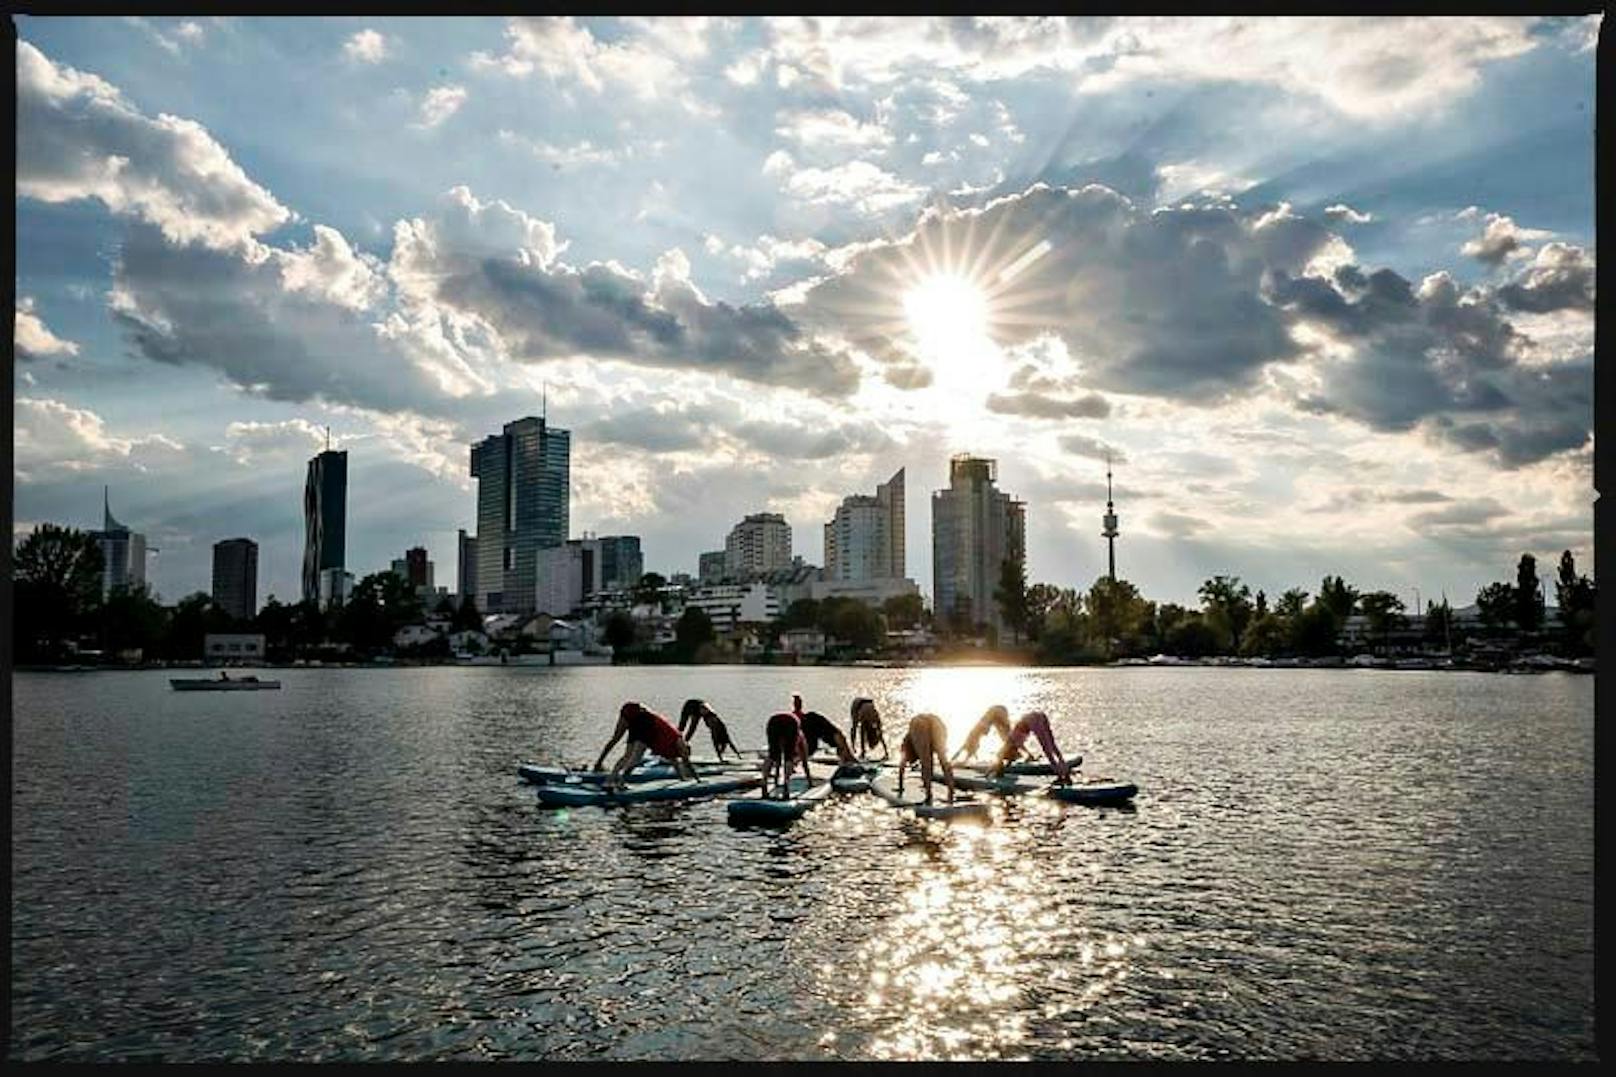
x=220, y=684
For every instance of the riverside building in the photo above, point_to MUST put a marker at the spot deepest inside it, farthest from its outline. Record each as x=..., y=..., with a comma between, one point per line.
x=522, y=478
x=975, y=526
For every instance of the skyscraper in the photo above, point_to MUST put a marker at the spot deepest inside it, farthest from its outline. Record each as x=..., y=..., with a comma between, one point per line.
x=466, y=580
x=761, y=542
x=123, y=552
x=710, y=566
x=235, y=577
x=325, y=519
x=621, y=563
x=974, y=527
x=522, y=507
x=865, y=539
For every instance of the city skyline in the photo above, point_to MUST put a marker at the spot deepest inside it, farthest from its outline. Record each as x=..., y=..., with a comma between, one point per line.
x=780, y=259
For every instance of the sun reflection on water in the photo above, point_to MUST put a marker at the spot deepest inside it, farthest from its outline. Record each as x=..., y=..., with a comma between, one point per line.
x=972, y=953
x=959, y=695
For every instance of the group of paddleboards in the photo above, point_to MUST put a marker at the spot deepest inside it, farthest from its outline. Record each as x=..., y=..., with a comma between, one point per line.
x=793, y=739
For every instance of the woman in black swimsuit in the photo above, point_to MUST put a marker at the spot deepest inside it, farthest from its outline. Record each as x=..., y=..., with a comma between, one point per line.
x=696, y=711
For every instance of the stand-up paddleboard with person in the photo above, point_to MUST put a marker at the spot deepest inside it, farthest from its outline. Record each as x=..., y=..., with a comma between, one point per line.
x=695, y=712
x=787, y=747
x=866, y=732
x=926, y=741
x=996, y=718
x=646, y=732
x=1033, y=723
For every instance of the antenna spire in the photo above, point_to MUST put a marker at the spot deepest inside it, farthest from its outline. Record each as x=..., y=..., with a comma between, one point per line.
x=328, y=439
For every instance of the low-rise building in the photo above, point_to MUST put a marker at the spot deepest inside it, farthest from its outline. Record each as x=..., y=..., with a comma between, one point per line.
x=233, y=647
x=729, y=605
x=872, y=592
x=803, y=642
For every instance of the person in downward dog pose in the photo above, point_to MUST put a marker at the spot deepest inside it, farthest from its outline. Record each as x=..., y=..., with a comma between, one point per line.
x=1034, y=723
x=787, y=747
x=867, y=728
x=927, y=740
x=816, y=728
x=997, y=717
x=646, y=732
x=696, y=711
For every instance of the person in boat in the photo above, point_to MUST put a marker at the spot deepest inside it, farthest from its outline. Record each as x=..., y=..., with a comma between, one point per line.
x=997, y=717
x=867, y=728
x=926, y=743
x=646, y=732
x=1033, y=723
x=695, y=712
x=223, y=675
x=787, y=747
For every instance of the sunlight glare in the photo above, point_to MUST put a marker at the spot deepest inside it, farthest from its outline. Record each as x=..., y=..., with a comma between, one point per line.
x=948, y=315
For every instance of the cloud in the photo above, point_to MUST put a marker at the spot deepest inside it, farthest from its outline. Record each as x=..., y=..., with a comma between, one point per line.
x=1501, y=239
x=865, y=187
x=650, y=62
x=1343, y=212
x=1561, y=277
x=51, y=437
x=33, y=339
x=439, y=104
x=366, y=47
x=1037, y=406
x=78, y=139
x=578, y=154
x=1443, y=360
x=1177, y=524
x=833, y=128
x=1094, y=448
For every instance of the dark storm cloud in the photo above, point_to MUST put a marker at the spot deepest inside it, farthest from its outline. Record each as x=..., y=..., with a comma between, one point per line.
x=1083, y=445
x=1560, y=278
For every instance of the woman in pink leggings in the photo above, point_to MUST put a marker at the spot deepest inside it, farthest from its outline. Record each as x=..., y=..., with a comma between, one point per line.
x=1036, y=723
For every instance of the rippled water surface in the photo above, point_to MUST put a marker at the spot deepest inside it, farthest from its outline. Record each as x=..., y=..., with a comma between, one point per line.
x=1321, y=864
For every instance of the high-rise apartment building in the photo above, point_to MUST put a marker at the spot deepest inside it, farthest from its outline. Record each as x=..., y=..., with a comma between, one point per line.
x=974, y=527
x=566, y=574
x=522, y=507
x=710, y=567
x=123, y=552
x=235, y=577
x=466, y=579
x=759, y=543
x=621, y=563
x=865, y=539
x=325, y=519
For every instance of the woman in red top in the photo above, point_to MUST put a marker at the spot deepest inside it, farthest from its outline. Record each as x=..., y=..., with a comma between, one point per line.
x=646, y=732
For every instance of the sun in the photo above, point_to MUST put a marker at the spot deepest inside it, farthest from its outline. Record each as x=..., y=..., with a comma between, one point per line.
x=948, y=317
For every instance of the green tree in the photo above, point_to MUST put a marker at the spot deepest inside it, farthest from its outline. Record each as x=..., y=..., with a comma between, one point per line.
x=1495, y=603
x=1339, y=597
x=648, y=590
x=618, y=632
x=1291, y=604
x=56, y=589
x=1384, y=611
x=1193, y=637
x=1041, y=598
x=802, y=613
x=1226, y=605
x=1115, y=614
x=854, y=622
x=132, y=620
x=467, y=618
x=903, y=611
x=1314, y=631
x=692, y=632
x=1438, y=623
x=189, y=623
x=1528, y=595
x=1011, y=594
x=1261, y=605
x=1268, y=635
x=444, y=608
x=1577, y=598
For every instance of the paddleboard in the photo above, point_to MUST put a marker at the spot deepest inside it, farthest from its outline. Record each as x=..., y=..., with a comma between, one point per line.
x=1041, y=767
x=1094, y=791
x=885, y=786
x=853, y=777
x=545, y=774
x=580, y=795
x=764, y=810
x=1005, y=785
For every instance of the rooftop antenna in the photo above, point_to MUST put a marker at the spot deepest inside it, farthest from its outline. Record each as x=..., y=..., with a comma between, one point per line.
x=544, y=402
x=328, y=439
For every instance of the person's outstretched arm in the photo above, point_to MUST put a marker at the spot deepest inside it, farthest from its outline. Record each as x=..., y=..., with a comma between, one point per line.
x=617, y=735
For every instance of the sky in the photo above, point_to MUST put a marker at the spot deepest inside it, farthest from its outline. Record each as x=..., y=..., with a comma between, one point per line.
x=1322, y=288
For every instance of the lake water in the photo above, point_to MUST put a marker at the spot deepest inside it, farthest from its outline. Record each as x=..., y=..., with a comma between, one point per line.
x=1320, y=864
